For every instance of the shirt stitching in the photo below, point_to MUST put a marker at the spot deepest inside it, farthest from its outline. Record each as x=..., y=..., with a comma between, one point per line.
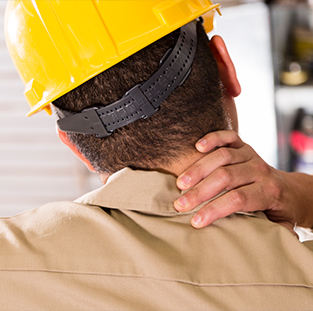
x=157, y=279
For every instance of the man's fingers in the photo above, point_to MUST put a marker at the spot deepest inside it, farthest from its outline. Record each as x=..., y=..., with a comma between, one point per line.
x=243, y=199
x=247, y=199
x=212, y=161
x=223, y=178
x=219, y=139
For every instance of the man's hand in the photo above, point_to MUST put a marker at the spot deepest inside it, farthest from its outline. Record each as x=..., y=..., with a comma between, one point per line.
x=251, y=184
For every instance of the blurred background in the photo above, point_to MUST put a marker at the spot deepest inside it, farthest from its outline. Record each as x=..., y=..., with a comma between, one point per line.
x=35, y=167
x=271, y=43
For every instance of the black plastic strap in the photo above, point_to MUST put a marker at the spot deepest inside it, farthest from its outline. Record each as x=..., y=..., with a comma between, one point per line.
x=142, y=101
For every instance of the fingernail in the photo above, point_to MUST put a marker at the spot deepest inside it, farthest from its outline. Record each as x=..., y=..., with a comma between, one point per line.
x=185, y=180
x=181, y=201
x=202, y=142
x=196, y=220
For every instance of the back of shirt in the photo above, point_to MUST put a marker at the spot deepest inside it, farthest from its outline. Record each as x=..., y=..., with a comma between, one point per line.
x=143, y=255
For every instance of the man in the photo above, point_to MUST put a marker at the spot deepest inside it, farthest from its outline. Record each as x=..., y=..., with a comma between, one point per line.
x=124, y=246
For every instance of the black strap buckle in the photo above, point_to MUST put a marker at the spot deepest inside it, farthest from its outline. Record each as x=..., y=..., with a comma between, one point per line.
x=142, y=100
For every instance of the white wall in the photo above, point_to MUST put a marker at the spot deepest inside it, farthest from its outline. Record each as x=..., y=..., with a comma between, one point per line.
x=246, y=31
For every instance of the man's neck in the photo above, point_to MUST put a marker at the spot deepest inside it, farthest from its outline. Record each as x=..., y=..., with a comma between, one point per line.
x=176, y=168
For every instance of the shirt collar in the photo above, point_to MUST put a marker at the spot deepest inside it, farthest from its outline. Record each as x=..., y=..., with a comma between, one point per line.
x=150, y=192
x=143, y=191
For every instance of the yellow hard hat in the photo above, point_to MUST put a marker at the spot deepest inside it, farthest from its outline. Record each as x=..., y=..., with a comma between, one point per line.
x=57, y=45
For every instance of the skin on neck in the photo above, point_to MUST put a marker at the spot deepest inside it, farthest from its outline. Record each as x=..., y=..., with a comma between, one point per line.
x=175, y=169
x=182, y=164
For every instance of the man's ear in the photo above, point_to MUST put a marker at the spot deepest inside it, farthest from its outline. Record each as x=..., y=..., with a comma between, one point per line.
x=64, y=138
x=225, y=66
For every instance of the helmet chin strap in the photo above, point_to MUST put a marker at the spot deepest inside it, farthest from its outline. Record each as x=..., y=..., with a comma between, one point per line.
x=143, y=100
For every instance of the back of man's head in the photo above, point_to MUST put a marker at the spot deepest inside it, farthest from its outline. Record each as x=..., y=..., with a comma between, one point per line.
x=192, y=110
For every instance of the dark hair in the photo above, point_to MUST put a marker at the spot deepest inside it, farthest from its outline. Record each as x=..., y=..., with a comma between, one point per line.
x=192, y=110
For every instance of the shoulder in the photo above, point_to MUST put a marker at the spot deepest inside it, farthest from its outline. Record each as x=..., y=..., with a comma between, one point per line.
x=46, y=237
x=48, y=216
x=48, y=224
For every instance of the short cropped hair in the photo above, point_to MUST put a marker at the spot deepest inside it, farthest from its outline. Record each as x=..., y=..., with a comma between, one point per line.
x=192, y=110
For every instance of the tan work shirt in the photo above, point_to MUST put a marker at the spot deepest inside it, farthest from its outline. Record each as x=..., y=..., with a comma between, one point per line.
x=124, y=247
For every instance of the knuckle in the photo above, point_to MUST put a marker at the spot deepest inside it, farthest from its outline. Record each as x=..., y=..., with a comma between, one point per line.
x=215, y=210
x=195, y=192
x=264, y=168
x=237, y=197
x=223, y=176
x=224, y=155
x=194, y=196
x=198, y=170
x=275, y=189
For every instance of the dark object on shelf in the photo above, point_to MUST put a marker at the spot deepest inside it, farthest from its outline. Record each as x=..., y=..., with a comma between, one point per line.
x=293, y=73
x=301, y=142
x=298, y=54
